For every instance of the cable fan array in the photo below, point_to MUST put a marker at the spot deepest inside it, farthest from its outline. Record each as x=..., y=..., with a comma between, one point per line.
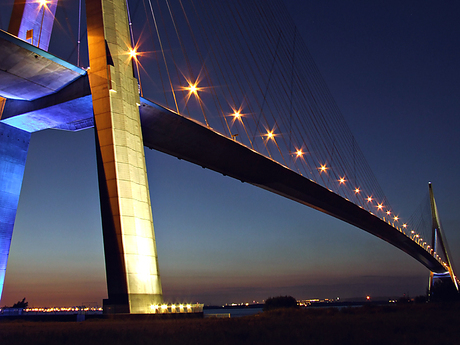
x=241, y=68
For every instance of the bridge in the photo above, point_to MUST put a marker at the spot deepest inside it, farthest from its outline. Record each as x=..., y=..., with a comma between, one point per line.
x=261, y=121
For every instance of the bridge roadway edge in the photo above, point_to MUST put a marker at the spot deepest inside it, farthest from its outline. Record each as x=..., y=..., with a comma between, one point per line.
x=168, y=132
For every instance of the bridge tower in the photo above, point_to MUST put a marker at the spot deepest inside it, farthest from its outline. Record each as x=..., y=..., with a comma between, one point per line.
x=439, y=245
x=133, y=280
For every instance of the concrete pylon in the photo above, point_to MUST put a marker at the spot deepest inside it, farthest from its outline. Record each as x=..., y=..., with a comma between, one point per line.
x=14, y=144
x=133, y=278
x=439, y=245
x=32, y=21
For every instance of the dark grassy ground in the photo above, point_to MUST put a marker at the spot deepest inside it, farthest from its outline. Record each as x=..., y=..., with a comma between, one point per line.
x=410, y=324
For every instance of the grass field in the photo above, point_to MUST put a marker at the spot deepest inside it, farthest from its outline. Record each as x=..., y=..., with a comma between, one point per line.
x=410, y=324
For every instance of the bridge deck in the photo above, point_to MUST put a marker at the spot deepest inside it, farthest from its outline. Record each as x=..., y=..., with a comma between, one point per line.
x=173, y=134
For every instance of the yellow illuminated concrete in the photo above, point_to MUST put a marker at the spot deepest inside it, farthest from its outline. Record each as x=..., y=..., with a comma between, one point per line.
x=115, y=102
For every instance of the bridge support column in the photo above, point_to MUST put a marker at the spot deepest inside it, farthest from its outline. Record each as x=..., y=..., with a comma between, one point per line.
x=133, y=278
x=33, y=22
x=14, y=144
x=439, y=245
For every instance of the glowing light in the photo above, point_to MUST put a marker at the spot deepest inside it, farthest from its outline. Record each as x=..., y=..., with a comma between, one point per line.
x=395, y=218
x=404, y=225
x=323, y=168
x=357, y=190
x=236, y=114
x=369, y=199
x=193, y=89
x=299, y=153
x=133, y=53
x=379, y=206
x=270, y=135
x=43, y=3
x=388, y=212
x=342, y=180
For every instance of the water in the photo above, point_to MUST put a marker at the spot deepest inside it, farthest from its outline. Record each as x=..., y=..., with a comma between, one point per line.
x=234, y=312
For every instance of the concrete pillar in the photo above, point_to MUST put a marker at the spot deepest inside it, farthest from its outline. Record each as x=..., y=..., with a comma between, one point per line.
x=33, y=22
x=14, y=144
x=133, y=278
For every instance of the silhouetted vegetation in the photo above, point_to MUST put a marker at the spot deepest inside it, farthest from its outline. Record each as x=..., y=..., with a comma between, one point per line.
x=280, y=302
x=19, y=304
x=417, y=299
x=404, y=299
x=420, y=299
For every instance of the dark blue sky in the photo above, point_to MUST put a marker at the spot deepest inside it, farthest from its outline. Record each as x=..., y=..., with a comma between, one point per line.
x=392, y=67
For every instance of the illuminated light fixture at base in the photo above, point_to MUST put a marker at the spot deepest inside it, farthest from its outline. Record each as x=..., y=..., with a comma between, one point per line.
x=176, y=309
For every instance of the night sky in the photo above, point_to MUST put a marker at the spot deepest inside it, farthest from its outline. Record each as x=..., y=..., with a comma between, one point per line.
x=392, y=67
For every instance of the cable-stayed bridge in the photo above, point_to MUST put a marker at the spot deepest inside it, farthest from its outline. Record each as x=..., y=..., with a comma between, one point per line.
x=248, y=103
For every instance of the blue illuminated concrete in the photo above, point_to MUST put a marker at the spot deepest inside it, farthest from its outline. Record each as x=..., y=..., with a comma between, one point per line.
x=14, y=144
x=28, y=73
x=32, y=15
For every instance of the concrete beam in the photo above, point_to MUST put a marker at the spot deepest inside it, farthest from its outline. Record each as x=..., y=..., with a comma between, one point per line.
x=28, y=73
